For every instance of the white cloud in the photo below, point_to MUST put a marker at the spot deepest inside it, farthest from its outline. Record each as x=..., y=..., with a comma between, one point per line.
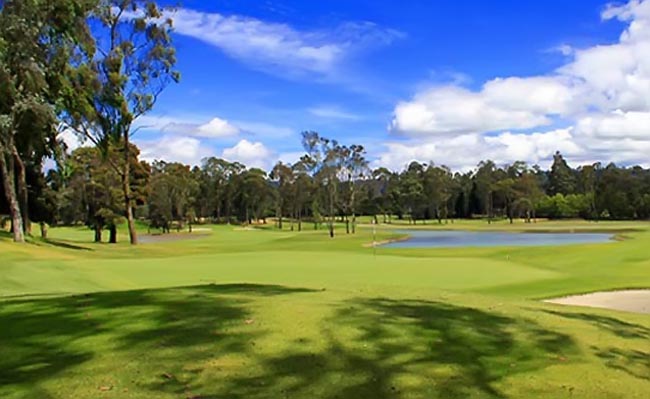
x=280, y=48
x=464, y=152
x=616, y=125
x=332, y=112
x=216, y=128
x=601, y=94
x=251, y=154
x=508, y=103
x=183, y=149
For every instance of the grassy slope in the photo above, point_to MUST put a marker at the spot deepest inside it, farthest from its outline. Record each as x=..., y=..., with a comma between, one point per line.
x=281, y=314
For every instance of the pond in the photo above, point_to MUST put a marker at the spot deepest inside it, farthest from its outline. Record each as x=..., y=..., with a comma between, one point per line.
x=449, y=239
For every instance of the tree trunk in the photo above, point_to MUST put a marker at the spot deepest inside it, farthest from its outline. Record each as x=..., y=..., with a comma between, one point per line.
x=23, y=195
x=331, y=227
x=10, y=193
x=98, y=234
x=43, y=230
x=126, y=187
x=354, y=223
x=299, y=220
x=347, y=225
x=190, y=226
x=112, y=238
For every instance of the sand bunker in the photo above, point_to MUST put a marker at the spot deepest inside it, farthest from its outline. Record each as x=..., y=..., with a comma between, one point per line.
x=156, y=238
x=637, y=301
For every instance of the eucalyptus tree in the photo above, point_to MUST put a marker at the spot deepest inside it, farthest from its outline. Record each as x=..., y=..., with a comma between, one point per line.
x=37, y=39
x=412, y=195
x=283, y=176
x=528, y=194
x=254, y=195
x=324, y=157
x=354, y=168
x=383, y=188
x=561, y=178
x=217, y=174
x=133, y=63
x=94, y=190
x=437, y=190
x=303, y=188
x=171, y=195
x=485, y=179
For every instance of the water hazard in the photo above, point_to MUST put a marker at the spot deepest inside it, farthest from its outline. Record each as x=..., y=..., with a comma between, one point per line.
x=451, y=239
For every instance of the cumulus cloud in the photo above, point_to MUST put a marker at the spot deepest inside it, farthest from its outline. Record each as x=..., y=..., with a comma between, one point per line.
x=600, y=94
x=616, y=125
x=280, y=48
x=217, y=127
x=513, y=103
x=251, y=154
x=183, y=149
x=464, y=152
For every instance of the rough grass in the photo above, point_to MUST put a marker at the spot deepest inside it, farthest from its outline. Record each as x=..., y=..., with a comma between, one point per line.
x=270, y=314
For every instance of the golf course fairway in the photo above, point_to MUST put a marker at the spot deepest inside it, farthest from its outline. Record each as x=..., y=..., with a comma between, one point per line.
x=262, y=313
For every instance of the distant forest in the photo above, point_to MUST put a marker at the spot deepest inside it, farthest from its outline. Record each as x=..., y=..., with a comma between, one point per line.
x=331, y=182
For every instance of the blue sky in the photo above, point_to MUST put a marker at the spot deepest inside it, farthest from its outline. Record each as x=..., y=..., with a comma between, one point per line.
x=442, y=81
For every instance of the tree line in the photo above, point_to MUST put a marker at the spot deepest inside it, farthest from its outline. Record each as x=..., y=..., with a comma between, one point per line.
x=93, y=67
x=330, y=184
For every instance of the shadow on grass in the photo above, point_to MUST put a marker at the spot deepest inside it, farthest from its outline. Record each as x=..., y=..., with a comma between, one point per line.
x=65, y=245
x=200, y=341
x=633, y=362
x=382, y=348
x=42, y=339
x=636, y=363
x=617, y=327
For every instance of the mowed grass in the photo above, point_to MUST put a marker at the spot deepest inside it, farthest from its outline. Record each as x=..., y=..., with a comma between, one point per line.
x=279, y=314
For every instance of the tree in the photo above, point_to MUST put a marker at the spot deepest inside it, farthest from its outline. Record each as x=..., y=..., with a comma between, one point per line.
x=302, y=189
x=95, y=189
x=354, y=168
x=528, y=192
x=324, y=158
x=561, y=178
x=436, y=186
x=412, y=195
x=254, y=194
x=283, y=175
x=133, y=64
x=485, y=179
x=36, y=37
x=172, y=194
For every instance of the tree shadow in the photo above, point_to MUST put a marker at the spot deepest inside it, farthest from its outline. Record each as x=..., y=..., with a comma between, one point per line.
x=65, y=245
x=383, y=348
x=41, y=339
x=617, y=327
x=636, y=363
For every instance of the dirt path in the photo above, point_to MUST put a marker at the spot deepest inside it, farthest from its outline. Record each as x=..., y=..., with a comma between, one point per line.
x=637, y=301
